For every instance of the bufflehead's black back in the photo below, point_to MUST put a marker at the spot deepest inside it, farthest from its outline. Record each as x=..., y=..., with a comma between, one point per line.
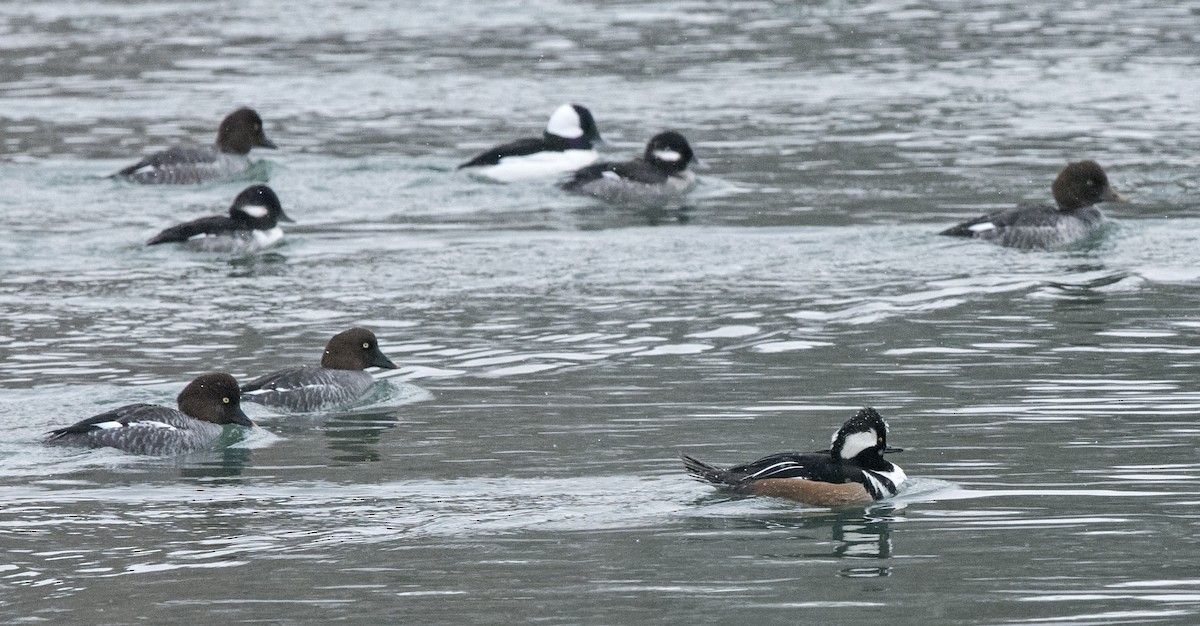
x=339, y=381
x=189, y=164
x=566, y=145
x=1077, y=189
x=252, y=223
x=852, y=471
x=658, y=177
x=205, y=406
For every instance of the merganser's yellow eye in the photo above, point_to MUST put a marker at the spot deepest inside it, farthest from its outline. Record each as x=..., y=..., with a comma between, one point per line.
x=225, y=399
x=366, y=345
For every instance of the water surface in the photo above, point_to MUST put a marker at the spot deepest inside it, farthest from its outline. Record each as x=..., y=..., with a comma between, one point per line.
x=556, y=355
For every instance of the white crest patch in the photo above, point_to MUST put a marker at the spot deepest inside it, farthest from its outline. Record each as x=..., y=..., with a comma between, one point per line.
x=975, y=228
x=667, y=155
x=564, y=122
x=858, y=442
x=254, y=210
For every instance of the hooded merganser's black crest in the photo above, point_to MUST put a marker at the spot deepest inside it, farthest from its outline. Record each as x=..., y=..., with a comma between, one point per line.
x=189, y=164
x=852, y=471
x=207, y=404
x=1077, y=190
x=339, y=381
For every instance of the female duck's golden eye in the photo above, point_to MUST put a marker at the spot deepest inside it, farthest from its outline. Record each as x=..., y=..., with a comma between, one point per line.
x=225, y=399
x=366, y=345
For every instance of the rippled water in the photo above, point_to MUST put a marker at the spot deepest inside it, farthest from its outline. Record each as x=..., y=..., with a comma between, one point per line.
x=556, y=355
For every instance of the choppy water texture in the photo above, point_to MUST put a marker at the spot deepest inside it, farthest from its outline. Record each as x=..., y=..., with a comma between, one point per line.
x=556, y=354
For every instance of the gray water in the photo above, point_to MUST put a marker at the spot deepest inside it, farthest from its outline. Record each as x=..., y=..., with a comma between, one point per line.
x=556, y=355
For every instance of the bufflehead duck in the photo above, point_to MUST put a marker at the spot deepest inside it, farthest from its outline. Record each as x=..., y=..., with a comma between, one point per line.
x=852, y=471
x=252, y=223
x=189, y=164
x=340, y=379
x=565, y=146
x=205, y=406
x=658, y=177
x=1078, y=188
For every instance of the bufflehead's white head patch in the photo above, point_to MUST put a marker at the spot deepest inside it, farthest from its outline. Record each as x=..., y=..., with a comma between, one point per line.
x=564, y=122
x=255, y=211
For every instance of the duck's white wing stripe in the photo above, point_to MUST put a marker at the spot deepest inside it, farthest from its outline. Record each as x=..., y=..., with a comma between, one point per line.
x=777, y=468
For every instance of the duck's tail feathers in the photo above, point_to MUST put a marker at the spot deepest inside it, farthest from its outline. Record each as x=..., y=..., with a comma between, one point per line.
x=703, y=471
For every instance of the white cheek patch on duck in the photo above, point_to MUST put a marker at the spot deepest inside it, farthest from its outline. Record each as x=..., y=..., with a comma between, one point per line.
x=254, y=210
x=667, y=155
x=858, y=442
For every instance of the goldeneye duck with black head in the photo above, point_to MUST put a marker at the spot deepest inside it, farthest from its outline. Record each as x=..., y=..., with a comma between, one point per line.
x=338, y=381
x=1074, y=217
x=660, y=176
x=206, y=405
x=191, y=164
x=252, y=224
x=565, y=146
x=852, y=472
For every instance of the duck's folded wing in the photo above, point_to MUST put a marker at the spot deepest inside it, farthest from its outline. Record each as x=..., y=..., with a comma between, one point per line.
x=115, y=416
x=808, y=466
x=633, y=172
x=783, y=465
x=165, y=159
x=638, y=171
x=492, y=156
x=988, y=226
x=214, y=225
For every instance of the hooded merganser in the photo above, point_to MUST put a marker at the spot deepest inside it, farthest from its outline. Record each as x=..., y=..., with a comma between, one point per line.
x=853, y=471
